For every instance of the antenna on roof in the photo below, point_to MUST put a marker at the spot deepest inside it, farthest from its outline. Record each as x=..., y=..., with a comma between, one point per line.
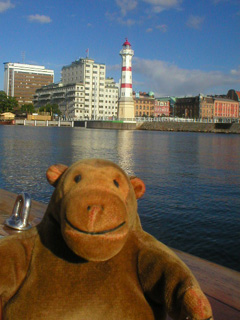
x=87, y=53
x=23, y=56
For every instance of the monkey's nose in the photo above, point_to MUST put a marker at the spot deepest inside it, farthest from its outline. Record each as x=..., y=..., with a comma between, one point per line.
x=93, y=213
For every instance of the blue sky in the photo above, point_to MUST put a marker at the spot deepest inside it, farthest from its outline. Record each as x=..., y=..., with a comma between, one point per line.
x=182, y=47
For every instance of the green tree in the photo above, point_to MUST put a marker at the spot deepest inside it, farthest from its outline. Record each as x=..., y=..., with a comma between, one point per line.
x=7, y=103
x=3, y=101
x=28, y=107
x=51, y=108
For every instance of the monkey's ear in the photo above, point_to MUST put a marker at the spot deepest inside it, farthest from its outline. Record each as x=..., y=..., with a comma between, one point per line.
x=138, y=187
x=54, y=173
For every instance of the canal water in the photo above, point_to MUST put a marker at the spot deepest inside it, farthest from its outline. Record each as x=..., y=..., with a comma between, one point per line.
x=192, y=199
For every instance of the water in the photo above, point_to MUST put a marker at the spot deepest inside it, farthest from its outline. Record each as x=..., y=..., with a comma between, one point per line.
x=192, y=199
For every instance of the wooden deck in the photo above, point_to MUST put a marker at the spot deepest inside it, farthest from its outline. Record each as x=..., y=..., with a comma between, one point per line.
x=220, y=284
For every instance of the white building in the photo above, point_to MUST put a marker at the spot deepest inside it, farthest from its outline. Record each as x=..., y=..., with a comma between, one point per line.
x=111, y=99
x=84, y=93
x=70, y=99
x=92, y=76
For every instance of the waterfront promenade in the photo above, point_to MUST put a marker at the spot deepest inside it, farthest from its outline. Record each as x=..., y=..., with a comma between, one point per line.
x=158, y=124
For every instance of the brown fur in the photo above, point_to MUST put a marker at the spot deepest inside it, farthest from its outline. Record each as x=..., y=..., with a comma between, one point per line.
x=90, y=259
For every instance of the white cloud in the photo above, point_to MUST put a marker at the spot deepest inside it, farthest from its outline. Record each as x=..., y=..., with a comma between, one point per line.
x=218, y=1
x=115, y=67
x=162, y=27
x=39, y=18
x=129, y=6
x=195, y=22
x=148, y=30
x=126, y=5
x=168, y=79
x=161, y=5
x=110, y=16
x=164, y=3
x=236, y=72
x=126, y=22
x=5, y=5
x=121, y=20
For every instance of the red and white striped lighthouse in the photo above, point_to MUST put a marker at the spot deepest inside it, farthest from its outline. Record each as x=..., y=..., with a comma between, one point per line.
x=126, y=103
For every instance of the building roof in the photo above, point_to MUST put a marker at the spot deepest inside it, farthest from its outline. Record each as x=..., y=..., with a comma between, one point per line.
x=238, y=94
x=126, y=43
x=7, y=114
x=223, y=99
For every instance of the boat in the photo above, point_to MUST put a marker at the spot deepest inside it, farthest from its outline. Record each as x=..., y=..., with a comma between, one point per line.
x=7, y=122
x=220, y=284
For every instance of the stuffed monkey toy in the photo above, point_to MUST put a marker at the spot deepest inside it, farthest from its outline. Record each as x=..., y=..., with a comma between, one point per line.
x=89, y=258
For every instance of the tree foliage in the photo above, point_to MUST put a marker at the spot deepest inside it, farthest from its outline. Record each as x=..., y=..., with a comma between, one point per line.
x=51, y=108
x=28, y=107
x=7, y=103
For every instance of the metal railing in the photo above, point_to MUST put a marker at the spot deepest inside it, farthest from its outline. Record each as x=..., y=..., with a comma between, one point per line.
x=134, y=120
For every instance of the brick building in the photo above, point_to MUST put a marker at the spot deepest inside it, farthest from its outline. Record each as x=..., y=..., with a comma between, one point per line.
x=162, y=107
x=22, y=80
x=144, y=104
x=206, y=108
x=187, y=107
x=225, y=110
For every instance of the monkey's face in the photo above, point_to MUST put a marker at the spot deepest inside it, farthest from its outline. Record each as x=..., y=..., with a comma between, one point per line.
x=98, y=208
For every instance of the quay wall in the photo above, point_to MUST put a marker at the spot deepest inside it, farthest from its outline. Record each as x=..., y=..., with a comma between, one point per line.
x=117, y=125
x=41, y=123
x=190, y=127
x=147, y=125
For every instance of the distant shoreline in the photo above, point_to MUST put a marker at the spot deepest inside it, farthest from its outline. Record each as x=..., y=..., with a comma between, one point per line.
x=227, y=128
x=233, y=128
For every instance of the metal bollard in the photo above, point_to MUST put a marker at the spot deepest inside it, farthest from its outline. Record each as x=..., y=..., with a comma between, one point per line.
x=20, y=214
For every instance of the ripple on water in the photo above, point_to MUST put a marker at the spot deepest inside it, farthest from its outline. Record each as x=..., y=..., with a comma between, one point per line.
x=192, y=199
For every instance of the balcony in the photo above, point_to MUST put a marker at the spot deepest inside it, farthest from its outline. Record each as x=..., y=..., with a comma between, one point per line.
x=57, y=95
x=70, y=94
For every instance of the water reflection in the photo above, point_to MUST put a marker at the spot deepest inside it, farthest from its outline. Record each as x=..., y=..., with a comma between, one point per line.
x=125, y=149
x=192, y=199
x=89, y=143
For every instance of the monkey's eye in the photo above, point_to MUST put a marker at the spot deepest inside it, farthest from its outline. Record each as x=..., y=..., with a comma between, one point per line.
x=78, y=178
x=116, y=183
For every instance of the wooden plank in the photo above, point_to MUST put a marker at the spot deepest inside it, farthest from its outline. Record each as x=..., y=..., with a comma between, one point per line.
x=220, y=284
x=221, y=311
x=216, y=281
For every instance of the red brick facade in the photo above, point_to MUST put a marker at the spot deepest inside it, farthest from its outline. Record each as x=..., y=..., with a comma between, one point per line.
x=162, y=108
x=226, y=109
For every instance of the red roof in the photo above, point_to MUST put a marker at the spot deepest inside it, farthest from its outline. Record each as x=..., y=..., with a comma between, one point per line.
x=126, y=43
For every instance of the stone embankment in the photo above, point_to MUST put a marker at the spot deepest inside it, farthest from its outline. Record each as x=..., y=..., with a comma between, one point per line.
x=190, y=127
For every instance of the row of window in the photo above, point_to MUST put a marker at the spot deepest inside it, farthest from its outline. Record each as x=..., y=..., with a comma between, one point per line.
x=144, y=108
x=144, y=102
x=94, y=66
